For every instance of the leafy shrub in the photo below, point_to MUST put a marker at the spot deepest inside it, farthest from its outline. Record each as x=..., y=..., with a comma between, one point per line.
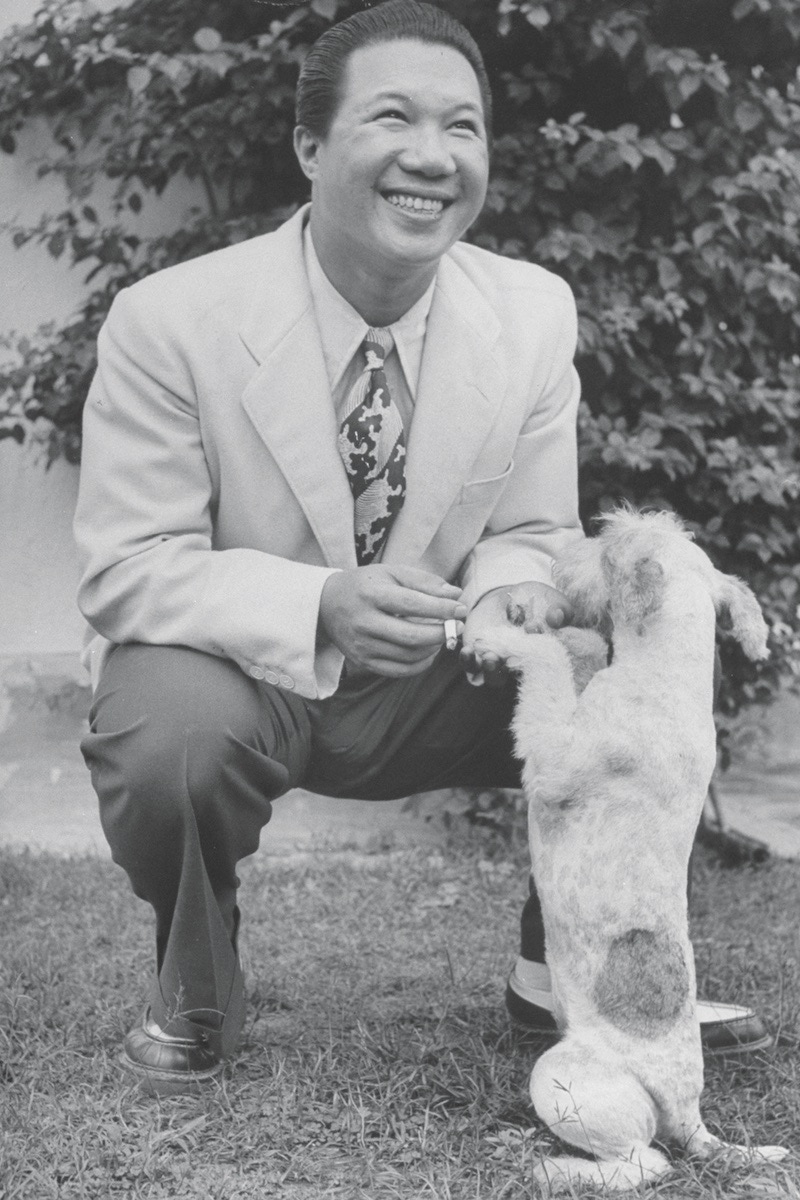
x=648, y=153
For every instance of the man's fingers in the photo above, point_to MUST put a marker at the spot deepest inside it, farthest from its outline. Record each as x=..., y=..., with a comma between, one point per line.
x=401, y=641
x=407, y=634
x=418, y=580
x=405, y=602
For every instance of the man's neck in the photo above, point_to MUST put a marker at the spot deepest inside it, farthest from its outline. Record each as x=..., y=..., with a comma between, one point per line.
x=381, y=297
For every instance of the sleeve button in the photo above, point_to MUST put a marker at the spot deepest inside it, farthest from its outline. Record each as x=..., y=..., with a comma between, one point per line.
x=287, y=682
x=256, y=672
x=272, y=677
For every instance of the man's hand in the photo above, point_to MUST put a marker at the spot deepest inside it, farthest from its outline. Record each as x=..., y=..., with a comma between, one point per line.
x=536, y=606
x=388, y=620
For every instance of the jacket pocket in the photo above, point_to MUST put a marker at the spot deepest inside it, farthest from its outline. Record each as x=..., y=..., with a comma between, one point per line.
x=484, y=491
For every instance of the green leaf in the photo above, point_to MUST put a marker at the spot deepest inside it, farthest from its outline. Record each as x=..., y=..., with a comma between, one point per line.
x=630, y=155
x=748, y=116
x=703, y=233
x=687, y=86
x=207, y=39
x=669, y=276
x=655, y=150
x=138, y=79
x=537, y=16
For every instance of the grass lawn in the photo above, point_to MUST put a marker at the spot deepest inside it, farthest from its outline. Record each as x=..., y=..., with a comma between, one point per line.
x=378, y=1060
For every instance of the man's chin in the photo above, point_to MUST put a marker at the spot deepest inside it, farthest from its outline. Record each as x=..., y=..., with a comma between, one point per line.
x=418, y=246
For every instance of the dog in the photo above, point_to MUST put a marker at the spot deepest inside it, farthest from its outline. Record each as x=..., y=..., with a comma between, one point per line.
x=616, y=771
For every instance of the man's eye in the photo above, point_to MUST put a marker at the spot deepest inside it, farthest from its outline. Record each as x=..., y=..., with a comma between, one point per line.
x=394, y=113
x=466, y=124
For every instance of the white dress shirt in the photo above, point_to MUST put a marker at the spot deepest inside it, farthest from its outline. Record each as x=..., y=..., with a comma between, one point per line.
x=342, y=330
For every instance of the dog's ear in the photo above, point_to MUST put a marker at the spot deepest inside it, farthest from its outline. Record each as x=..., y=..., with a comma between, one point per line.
x=739, y=611
x=636, y=590
x=578, y=573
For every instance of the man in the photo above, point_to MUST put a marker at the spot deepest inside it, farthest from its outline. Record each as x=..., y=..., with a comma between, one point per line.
x=305, y=458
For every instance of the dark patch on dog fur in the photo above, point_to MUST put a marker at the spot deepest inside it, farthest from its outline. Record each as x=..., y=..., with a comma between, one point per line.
x=569, y=800
x=643, y=983
x=620, y=762
x=636, y=589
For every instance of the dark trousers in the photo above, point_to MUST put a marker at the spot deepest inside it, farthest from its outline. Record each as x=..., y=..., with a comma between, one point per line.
x=187, y=753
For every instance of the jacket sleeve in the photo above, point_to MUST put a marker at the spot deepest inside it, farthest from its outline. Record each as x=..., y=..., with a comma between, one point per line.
x=143, y=524
x=536, y=517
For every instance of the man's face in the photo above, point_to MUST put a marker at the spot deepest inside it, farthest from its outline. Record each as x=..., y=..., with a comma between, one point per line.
x=403, y=171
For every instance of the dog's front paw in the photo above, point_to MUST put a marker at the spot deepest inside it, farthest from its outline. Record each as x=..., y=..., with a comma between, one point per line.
x=509, y=643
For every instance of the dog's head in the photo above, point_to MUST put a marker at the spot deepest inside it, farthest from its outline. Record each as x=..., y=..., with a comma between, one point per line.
x=623, y=573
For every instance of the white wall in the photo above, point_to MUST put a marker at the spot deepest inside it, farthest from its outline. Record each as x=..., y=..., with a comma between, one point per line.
x=37, y=563
x=38, y=571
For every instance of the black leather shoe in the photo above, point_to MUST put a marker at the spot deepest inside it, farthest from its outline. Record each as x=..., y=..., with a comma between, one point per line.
x=731, y=1028
x=724, y=1028
x=167, y=1063
x=532, y=1016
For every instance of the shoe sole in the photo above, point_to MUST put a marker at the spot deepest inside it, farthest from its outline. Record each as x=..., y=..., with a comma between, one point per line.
x=735, y=1048
x=168, y=1083
x=763, y=1043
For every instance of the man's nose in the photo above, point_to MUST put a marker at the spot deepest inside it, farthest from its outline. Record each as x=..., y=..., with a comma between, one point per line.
x=427, y=152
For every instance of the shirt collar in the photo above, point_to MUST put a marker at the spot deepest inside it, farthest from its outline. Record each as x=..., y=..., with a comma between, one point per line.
x=342, y=329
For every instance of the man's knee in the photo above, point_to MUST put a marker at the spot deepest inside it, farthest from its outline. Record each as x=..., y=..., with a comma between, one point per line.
x=177, y=688
x=172, y=727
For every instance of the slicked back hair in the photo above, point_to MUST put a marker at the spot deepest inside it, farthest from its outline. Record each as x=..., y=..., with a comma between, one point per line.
x=319, y=87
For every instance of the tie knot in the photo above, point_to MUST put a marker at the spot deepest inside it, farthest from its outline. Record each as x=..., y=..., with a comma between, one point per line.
x=377, y=345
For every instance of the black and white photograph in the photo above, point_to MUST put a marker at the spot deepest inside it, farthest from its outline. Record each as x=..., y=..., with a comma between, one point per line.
x=400, y=605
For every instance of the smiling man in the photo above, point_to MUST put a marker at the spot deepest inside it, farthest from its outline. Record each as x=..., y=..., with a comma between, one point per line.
x=398, y=174
x=309, y=461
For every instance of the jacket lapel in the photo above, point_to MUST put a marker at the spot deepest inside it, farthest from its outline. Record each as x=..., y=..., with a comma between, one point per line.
x=461, y=388
x=288, y=399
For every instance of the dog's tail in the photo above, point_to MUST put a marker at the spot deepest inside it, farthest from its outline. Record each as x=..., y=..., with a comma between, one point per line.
x=644, y=1165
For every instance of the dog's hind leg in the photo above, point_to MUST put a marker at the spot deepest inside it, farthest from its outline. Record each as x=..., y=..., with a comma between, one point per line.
x=602, y=1109
x=703, y=1144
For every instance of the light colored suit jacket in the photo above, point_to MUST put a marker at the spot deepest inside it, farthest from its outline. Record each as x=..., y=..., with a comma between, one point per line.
x=213, y=503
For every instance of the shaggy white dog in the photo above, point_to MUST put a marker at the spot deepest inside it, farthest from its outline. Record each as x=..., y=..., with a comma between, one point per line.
x=616, y=776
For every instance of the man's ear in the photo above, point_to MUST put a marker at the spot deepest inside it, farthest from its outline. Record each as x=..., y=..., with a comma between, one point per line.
x=306, y=147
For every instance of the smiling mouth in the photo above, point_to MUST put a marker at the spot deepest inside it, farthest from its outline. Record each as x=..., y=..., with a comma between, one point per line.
x=427, y=207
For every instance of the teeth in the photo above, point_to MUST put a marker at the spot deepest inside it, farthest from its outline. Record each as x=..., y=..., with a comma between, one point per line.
x=399, y=200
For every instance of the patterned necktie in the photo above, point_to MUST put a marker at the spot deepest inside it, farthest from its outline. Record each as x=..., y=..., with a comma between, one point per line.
x=373, y=448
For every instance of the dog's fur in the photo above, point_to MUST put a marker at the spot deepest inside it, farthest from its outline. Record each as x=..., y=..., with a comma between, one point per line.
x=616, y=776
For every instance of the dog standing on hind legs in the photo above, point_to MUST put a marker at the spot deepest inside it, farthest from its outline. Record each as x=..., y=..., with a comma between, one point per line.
x=616, y=776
